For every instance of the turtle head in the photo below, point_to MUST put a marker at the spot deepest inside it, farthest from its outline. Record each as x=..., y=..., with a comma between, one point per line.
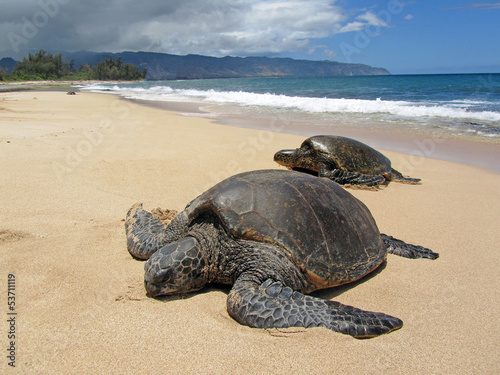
x=178, y=267
x=285, y=158
x=300, y=158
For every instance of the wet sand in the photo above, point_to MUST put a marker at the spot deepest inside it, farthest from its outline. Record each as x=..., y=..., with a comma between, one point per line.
x=475, y=151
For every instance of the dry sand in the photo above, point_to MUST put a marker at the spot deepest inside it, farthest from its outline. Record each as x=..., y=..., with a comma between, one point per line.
x=71, y=166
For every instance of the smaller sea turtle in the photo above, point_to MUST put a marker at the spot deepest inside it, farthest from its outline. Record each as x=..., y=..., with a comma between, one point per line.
x=273, y=235
x=343, y=160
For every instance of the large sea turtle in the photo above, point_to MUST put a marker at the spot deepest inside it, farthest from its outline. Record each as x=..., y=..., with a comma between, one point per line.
x=274, y=235
x=343, y=160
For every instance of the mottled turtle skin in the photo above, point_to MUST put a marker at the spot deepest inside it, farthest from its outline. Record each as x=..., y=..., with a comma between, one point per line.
x=274, y=235
x=343, y=160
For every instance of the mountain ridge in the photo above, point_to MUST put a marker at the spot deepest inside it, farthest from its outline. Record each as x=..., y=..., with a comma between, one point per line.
x=163, y=66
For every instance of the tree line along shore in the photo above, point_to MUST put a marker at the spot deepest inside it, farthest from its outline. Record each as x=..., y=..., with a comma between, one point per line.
x=43, y=66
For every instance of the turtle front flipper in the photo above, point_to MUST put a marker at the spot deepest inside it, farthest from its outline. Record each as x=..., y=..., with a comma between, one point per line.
x=146, y=233
x=397, y=176
x=355, y=178
x=271, y=305
x=401, y=248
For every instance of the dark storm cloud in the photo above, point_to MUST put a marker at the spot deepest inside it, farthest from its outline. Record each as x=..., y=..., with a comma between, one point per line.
x=217, y=27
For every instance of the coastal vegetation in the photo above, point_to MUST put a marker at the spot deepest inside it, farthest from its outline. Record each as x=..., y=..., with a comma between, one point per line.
x=45, y=66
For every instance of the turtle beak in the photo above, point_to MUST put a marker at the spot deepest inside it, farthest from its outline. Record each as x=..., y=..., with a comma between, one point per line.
x=284, y=157
x=152, y=290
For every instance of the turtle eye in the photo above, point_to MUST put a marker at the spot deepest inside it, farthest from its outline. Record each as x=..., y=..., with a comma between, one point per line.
x=305, y=147
x=162, y=276
x=168, y=276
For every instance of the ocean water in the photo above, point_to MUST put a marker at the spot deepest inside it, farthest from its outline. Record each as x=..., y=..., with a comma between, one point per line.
x=454, y=104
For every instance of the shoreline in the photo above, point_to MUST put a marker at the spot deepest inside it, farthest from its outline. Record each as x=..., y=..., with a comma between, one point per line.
x=50, y=85
x=481, y=152
x=472, y=151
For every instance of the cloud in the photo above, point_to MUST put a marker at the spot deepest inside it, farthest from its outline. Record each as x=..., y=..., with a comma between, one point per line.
x=371, y=19
x=485, y=6
x=479, y=6
x=216, y=27
x=351, y=26
x=408, y=17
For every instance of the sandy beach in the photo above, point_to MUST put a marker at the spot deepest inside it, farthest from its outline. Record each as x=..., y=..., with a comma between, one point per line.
x=72, y=165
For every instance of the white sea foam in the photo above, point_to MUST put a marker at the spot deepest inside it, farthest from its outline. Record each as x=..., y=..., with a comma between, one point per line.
x=456, y=109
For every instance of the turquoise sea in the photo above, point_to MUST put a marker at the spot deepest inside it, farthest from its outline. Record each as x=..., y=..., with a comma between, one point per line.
x=449, y=104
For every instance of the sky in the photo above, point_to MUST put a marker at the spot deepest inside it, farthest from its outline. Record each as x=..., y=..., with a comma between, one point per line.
x=413, y=36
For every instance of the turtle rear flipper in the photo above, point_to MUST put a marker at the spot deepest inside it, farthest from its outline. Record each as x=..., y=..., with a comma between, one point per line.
x=146, y=233
x=397, y=176
x=271, y=305
x=401, y=248
x=354, y=178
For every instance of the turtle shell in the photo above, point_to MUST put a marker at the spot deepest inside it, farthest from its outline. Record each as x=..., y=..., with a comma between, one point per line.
x=349, y=154
x=326, y=231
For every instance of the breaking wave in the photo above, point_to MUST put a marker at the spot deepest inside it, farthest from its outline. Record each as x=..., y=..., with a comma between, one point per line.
x=465, y=110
